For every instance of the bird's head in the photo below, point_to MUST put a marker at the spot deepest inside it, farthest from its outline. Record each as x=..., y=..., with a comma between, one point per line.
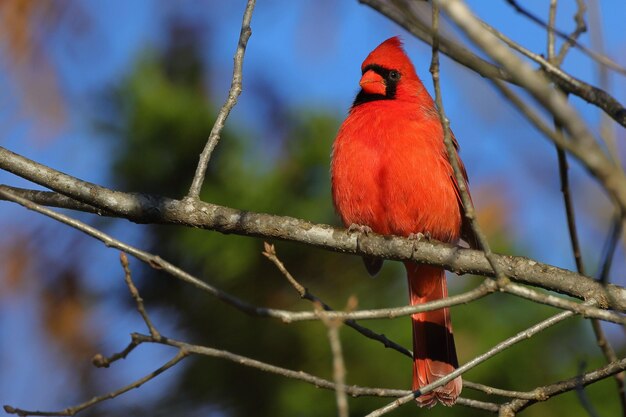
x=388, y=74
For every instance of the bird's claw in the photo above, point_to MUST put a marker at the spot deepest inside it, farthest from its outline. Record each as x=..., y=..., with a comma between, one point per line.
x=419, y=236
x=361, y=228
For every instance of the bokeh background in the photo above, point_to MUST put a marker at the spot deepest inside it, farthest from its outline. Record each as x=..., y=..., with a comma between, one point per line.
x=124, y=94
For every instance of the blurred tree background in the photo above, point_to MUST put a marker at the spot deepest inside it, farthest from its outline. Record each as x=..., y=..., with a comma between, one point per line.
x=151, y=124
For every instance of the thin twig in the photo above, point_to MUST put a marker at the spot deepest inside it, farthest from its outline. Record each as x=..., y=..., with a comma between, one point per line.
x=523, y=335
x=584, y=146
x=233, y=94
x=581, y=27
x=270, y=253
x=180, y=355
x=402, y=12
x=453, y=157
x=609, y=249
x=600, y=336
x=598, y=57
x=100, y=361
x=583, y=309
x=548, y=391
x=339, y=367
x=550, y=30
x=137, y=297
x=352, y=390
x=498, y=391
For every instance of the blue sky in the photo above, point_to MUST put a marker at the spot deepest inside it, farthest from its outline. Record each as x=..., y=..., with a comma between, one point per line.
x=311, y=51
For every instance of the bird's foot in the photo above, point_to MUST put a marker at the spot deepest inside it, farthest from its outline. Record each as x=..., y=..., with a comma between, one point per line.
x=419, y=236
x=361, y=228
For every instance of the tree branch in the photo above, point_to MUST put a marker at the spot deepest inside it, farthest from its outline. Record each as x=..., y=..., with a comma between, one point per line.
x=526, y=334
x=583, y=145
x=403, y=13
x=548, y=391
x=270, y=253
x=233, y=94
x=143, y=208
x=71, y=411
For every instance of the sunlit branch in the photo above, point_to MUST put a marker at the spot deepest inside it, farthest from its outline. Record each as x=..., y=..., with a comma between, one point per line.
x=548, y=391
x=453, y=157
x=572, y=39
x=304, y=293
x=233, y=94
x=95, y=400
x=581, y=27
x=135, y=294
x=402, y=12
x=526, y=334
x=339, y=367
x=584, y=146
x=143, y=208
x=352, y=390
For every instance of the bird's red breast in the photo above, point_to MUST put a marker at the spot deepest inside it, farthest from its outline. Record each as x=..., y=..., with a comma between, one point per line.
x=389, y=166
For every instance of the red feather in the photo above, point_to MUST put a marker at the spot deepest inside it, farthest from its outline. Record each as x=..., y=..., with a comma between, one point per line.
x=390, y=172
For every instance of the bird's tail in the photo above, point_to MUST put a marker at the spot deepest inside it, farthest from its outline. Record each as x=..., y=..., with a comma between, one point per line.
x=434, y=354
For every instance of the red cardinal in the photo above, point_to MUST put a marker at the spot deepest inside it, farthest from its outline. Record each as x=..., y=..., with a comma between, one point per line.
x=391, y=174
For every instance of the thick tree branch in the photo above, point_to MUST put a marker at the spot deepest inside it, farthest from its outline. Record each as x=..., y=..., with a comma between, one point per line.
x=142, y=208
x=485, y=288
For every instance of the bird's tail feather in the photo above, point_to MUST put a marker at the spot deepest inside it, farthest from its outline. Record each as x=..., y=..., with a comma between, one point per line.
x=434, y=353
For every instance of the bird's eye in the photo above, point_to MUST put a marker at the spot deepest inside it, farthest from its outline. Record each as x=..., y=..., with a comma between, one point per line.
x=394, y=75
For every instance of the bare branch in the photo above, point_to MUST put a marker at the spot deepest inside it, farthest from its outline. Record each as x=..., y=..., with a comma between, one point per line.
x=352, y=390
x=80, y=407
x=339, y=367
x=550, y=29
x=100, y=361
x=233, y=94
x=584, y=147
x=403, y=13
x=571, y=40
x=548, y=391
x=304, y=293
x=526, y=334
x=135, y=294
x=497, y=391
x=453, y=157
x=144, y=208
x=581, y=27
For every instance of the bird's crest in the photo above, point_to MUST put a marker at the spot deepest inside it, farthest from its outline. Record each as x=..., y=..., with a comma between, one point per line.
x=390, y=55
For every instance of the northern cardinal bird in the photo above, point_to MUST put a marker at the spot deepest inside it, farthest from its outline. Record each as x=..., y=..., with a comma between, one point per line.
x=391, y=175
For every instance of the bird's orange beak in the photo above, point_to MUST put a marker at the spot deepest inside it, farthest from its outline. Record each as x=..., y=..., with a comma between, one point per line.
x=373, y=83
